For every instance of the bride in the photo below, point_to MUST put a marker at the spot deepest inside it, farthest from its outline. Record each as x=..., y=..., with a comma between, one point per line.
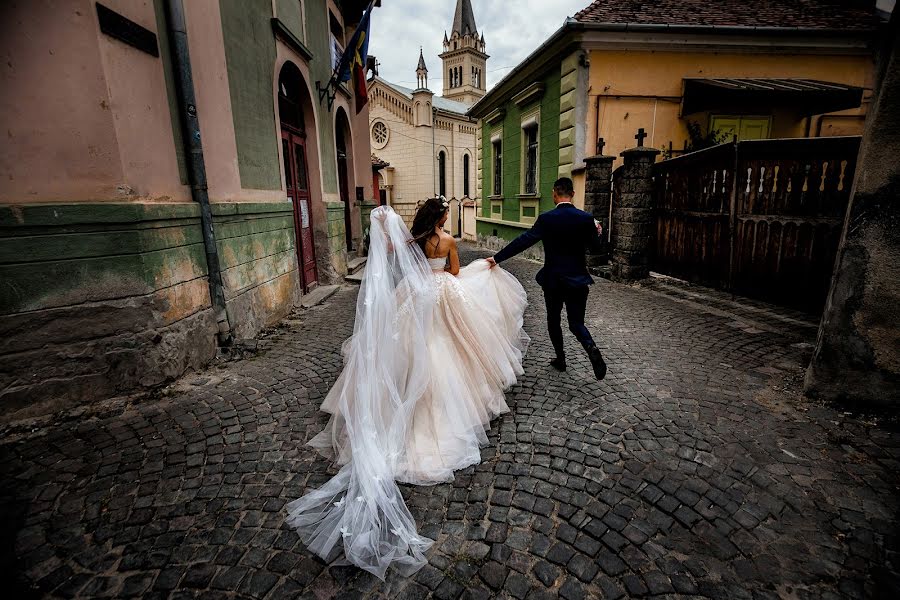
x=433, y=348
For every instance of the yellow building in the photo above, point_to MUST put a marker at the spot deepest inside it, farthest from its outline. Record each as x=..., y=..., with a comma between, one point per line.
x=688, y=73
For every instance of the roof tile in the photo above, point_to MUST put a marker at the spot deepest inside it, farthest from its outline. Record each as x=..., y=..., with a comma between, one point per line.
x=804, y=14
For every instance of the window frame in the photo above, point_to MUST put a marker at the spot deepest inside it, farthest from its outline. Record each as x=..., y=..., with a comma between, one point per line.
x=497, y=166
x=530, y=121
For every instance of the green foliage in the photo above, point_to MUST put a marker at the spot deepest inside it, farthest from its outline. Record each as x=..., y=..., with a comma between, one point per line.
x=699, y=141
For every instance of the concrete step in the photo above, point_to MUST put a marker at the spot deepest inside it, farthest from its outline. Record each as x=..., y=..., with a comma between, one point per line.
x=318, y=295
x=356, y=277
x=355, y=264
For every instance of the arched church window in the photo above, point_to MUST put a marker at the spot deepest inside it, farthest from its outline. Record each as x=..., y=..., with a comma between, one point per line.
x=466, y=175
x=442, y=173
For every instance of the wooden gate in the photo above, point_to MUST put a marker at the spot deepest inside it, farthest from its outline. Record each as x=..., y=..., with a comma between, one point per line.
x=762, y=218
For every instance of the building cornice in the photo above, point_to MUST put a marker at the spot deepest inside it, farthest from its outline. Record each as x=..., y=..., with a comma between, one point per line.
x=452, y=53
x=528, y=95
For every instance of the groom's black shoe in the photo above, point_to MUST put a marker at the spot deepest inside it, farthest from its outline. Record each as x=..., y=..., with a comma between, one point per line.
x=597, y=362
x=559, y=364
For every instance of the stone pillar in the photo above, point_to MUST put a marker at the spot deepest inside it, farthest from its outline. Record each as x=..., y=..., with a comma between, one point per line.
x=857, y=355
x=597, y=190
x=633, y=219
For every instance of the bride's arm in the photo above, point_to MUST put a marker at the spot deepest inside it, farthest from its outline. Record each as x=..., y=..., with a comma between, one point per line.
x=453, y=267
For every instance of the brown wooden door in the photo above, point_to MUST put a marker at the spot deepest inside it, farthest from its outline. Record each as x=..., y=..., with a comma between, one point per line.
x=293, y=144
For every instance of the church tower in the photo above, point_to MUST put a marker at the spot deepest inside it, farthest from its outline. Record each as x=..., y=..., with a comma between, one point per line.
x=464, y=59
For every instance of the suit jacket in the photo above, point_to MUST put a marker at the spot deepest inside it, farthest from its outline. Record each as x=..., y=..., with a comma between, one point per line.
x=568, y=235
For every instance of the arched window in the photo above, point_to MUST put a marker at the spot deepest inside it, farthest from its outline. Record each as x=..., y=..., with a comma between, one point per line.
x=450, y=77
x=289, y=91
x=466, y=175
x=442, y=173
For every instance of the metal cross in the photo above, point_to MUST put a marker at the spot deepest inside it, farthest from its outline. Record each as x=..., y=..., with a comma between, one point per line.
x=641, y=134
x=600, y=144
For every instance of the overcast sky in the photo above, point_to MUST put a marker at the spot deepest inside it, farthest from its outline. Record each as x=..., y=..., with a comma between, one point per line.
x=512, y=29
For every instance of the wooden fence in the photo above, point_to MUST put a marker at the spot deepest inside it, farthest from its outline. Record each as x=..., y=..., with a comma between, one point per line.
x=762, y=218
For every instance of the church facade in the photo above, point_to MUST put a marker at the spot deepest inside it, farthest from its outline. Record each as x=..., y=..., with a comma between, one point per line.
x=407, y=125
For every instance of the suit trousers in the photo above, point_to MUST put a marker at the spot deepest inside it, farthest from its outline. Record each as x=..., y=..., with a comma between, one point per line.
x=574, y=298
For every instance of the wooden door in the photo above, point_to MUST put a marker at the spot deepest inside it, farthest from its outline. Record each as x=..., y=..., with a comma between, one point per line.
x=293, y=144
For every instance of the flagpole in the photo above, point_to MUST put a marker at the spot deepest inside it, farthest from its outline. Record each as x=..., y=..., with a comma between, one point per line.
x=329, y=90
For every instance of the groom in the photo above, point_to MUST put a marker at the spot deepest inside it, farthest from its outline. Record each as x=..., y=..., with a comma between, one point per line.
x=568, y=234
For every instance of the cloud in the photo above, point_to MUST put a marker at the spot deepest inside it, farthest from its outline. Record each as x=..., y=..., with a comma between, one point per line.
x=512, y=30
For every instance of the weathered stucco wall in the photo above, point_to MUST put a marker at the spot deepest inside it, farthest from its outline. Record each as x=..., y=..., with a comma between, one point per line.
x=619, y=76
x=96, y=299
x=259, y=263
x=857, y=356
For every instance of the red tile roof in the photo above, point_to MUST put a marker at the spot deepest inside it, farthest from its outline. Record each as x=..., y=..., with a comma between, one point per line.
x=805, y=14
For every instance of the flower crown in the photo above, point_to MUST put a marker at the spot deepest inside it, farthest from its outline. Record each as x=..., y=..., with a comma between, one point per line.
x=444, y=202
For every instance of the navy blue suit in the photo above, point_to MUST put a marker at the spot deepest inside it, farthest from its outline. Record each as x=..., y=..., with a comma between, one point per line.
x=568, y=234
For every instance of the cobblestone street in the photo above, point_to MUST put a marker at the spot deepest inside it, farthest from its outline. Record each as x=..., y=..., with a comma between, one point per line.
x=696, y=469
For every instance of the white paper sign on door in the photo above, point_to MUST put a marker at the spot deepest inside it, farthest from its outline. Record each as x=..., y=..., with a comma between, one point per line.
x=304, y=214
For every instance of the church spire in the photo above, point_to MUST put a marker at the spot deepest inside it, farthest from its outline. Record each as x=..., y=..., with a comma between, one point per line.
x=464, y=19
x=421, y=72
x=421, y=64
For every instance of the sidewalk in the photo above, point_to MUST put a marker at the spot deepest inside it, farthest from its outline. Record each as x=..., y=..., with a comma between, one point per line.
x=695, y=469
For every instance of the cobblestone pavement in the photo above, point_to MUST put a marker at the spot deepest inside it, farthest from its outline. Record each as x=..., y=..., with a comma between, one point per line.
x=694, y=470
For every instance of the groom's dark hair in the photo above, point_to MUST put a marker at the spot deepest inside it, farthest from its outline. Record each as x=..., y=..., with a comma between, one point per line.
x=564, y=187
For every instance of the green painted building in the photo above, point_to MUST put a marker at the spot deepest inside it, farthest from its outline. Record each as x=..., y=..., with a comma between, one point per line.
x=530, y=125
x=107, y=283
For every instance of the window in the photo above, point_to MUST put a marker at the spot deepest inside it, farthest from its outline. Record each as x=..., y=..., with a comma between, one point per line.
x=466, y=175
x=442, y=173
x=497, y=146
x=337, y=39
x=379, y=134
x=741, y=127
x=531, y=159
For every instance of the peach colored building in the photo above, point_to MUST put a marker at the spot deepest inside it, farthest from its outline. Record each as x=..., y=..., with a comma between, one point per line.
x=683, y=71
x=106, y=277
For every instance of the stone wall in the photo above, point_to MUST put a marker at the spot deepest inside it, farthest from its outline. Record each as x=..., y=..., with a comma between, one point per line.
x=857, y=355
x=631, y=230
x=102, y=299
x=98, y=299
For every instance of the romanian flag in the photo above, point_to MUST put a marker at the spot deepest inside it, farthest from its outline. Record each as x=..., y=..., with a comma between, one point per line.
x=353, y=62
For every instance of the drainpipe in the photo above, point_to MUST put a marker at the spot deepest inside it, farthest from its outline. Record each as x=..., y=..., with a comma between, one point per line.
x=193, y=150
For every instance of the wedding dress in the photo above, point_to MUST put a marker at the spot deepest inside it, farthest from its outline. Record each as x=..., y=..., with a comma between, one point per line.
x=424, y=373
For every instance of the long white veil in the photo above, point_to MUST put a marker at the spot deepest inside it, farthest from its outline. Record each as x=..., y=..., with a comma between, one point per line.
x=384, y=374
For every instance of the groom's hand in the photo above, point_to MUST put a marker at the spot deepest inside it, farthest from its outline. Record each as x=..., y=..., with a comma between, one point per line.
x=491, y=261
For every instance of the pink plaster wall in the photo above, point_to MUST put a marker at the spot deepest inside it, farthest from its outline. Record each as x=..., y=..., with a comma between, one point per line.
x=140, y=107
x=86, y=117
x=55, y=114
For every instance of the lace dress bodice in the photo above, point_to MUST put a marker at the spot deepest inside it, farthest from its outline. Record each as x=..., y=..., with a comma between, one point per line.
x=437, y=264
